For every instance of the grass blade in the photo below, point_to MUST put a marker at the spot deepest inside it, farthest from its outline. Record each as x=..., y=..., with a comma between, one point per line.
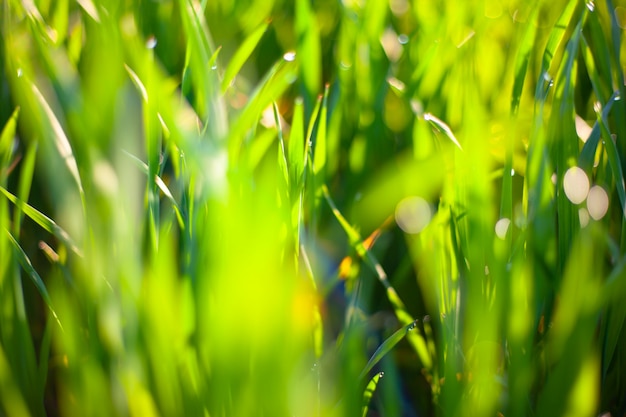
x=386, y=347
x=369, y=392
x=443, y=128
x=27, y=266
x=241, y=56
x=61, y=142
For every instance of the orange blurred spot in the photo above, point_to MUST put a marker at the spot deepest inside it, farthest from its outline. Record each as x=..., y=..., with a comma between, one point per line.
x=345, y=266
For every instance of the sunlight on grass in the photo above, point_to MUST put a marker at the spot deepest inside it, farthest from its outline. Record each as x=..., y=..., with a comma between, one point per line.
x=248, y=208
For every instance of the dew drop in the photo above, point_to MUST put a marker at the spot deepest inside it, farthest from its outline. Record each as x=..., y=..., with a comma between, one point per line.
x=151, y=42
x=591, y=6
x=381, y=374
x=403, y=39
x=512, y=172
x=19, y=73
x=289, y=56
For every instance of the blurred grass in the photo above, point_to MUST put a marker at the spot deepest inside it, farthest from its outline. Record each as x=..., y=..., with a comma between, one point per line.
x=242, y=208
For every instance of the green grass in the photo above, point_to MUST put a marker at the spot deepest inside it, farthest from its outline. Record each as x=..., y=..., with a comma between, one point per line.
x=274, y=208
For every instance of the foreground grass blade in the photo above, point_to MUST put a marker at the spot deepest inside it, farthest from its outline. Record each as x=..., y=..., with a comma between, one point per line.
x=369, y=392
x=61, y=142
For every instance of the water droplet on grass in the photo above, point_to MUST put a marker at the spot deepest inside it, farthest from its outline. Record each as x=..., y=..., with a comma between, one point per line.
x=403, y=39
x=381, y=374
x=151, y=42
x=289, y=56
x=19, y=72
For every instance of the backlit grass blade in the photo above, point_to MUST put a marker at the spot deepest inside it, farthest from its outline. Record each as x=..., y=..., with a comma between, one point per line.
x=319, y=152
x=60, y=140
x=8, y=133
x=42, y=220
x=558, y=36
x=242, y=55
x=282, y=157
x=27, y=266
x=386, y=347
x=369, y=392
x=278, y=79
x=565, y=141
x=443, y=128
x=26, y=178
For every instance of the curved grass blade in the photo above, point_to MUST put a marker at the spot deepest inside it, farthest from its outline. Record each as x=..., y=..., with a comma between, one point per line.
x=60, y=140
x=415, y=338
x=242, y=55
x=282, y=74
x=557, y=37
x=386, y=347
x=319, y=153
x=369, y=392
x=42, y=220
x=282, y=157
x=27, y=266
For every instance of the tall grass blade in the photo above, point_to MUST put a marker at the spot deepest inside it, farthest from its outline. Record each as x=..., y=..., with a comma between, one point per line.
x=42, y=220
x=369, y=392
x=241, y=56
x=27, y=266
